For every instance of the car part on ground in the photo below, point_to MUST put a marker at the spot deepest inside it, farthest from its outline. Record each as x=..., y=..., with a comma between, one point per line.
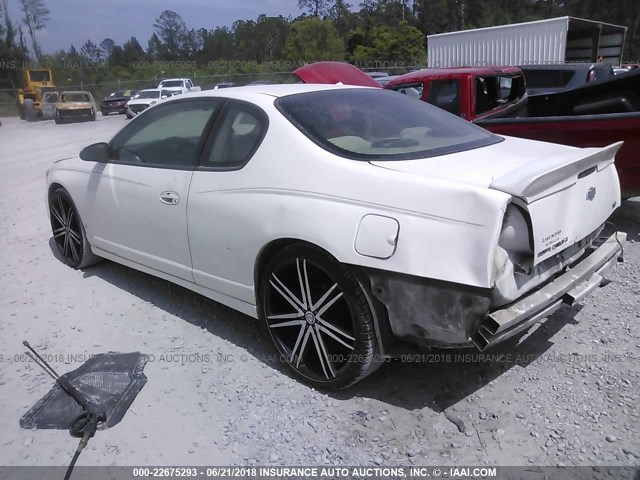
x=94, y=396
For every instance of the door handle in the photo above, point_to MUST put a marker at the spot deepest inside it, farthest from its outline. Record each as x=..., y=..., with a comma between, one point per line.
x=170, y=198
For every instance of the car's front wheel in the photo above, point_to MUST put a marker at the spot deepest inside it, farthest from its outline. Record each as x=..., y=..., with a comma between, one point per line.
x=319, y=317
x=68, y=231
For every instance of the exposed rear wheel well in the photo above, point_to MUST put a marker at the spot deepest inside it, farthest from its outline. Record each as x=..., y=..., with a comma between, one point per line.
x=269, y=251
x=52, y=188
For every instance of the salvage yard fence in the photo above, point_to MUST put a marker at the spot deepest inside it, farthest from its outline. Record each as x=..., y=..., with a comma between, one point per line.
x=8, y=104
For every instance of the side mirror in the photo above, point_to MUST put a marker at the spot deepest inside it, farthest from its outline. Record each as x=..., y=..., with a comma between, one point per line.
x=164, y=96
x=98, y=152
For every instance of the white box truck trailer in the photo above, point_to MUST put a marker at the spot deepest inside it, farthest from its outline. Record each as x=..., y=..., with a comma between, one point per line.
x=556, y=40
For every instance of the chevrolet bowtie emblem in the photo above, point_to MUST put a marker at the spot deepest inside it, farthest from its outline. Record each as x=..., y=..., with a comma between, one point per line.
x=591, y=193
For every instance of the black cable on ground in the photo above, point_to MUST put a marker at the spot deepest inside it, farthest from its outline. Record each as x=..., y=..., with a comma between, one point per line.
x=81, y=445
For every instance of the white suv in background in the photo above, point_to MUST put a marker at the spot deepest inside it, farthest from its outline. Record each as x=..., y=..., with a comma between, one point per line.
x=144, y=99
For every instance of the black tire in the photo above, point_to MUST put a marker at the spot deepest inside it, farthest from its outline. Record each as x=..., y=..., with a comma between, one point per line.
x=68, y=231
x=93, y=115
x=58, y=120
x=329, y=352
x=104, y=114
x=30, y=112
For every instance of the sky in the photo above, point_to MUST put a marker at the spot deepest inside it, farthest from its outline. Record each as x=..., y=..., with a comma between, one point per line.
x=72, y=22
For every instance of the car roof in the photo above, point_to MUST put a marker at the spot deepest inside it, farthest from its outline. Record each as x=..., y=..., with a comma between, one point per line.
x=562, y=66
x=258, y=93
x=76, y=91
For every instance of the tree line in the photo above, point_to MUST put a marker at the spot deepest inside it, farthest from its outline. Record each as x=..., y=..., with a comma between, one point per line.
x=379, y=32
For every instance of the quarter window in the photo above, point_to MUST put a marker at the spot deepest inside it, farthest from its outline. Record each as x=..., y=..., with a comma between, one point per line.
x=165, y=136
x=237, y=138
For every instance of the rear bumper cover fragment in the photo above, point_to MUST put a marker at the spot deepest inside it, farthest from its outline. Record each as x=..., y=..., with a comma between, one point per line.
x=435, y=313
x=568, y=288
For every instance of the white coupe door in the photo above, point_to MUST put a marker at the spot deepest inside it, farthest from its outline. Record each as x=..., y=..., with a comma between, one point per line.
x=139, y=210
x=221, y=231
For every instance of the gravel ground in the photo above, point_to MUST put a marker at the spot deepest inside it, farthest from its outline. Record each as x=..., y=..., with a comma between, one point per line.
x=566, y=393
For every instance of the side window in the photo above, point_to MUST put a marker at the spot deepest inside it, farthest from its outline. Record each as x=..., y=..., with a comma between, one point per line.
x=237, y=138
x=504, y=90
x=165, y=136
x=414, y=90
x=445, y=94
x=166, y=93
x=486, y=94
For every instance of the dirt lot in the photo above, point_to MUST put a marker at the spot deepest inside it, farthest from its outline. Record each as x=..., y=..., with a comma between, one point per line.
x=568, y=393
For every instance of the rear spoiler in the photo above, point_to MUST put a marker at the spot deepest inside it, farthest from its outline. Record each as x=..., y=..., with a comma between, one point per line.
x=551, y=174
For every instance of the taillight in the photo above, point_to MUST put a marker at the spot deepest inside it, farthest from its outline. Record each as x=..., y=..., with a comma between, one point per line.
x=515, y=236
x=515, y=240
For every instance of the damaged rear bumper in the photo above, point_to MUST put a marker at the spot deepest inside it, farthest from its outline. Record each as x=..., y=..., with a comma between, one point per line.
x=568, y=288
x=434, y=313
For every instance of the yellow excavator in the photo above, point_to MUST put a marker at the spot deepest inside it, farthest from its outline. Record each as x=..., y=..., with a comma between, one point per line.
x=35, y=83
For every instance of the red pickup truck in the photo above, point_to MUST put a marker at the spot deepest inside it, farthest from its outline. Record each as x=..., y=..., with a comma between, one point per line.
x=599, y=114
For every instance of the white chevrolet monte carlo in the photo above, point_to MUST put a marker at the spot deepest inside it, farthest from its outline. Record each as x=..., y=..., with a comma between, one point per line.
x=350, y=220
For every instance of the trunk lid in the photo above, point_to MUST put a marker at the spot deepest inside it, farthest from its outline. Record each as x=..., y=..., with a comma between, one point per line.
x=568, y=196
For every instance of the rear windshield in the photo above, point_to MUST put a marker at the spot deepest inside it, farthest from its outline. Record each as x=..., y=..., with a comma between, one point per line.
x=548, y=78
x=75, y=97
x=372, y=124
x=171, y=83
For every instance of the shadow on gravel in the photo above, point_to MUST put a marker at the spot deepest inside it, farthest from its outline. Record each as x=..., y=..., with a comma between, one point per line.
x=627, y=219
x=443, y=377
x=189, y=306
